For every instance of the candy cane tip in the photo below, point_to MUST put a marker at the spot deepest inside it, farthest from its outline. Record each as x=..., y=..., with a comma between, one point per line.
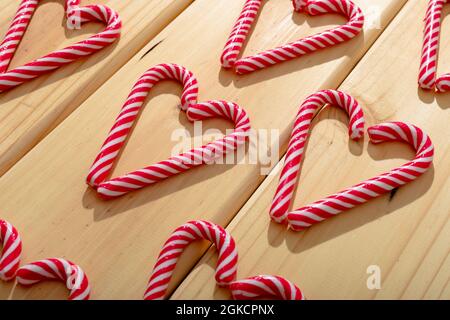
x=280, y=219
x=442, y=86
x=356, y=134
x=299, y=5
x=91, y=184
x=184, y=106
x=223, y=284
x=227, y=64
x=372, y=131
x=241, y=70
x=5, y=278
x=426, y=86
x=295, y=228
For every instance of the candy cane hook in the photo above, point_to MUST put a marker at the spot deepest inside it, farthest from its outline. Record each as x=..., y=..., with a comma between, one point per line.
x=173, y=248
x=265, y=286
x=56, y=269
x=291, y=169
x=345, y=200
x=11, y=252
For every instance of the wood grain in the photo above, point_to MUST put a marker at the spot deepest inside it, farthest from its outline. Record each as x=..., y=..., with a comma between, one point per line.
x=117, y=242
x=405, y=233
x=31, y=110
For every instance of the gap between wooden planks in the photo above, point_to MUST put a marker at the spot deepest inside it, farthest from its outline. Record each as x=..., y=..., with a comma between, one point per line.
x=30, y=111
x=116, y=242
x=406, y=234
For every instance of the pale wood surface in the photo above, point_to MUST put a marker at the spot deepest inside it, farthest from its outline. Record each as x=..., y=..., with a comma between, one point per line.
x=31, y=110
x=406, y=234
x=117, y=242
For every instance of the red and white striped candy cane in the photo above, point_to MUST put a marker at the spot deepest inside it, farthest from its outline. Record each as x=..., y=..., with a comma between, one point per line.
x=192, y=231
x=11, y=252
x=177, y=164
x=345, y=200
x=295, y=49
x=56, y=269
x=75, y=14
x=264, y=286
x=292, y=164
x=428, y=65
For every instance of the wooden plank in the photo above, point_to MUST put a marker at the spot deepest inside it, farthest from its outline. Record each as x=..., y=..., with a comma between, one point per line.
x=30, y=111
x=405, y=234
x=44, y=194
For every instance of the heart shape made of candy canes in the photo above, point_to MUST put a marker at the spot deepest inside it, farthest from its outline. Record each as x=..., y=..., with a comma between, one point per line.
x=322, y=40
x=347, y=199
x=302, y=218
x=76, y=16
x=138, y=179
x=292, y=164
x=11, y=252
x=252, y=288
x=428, y=78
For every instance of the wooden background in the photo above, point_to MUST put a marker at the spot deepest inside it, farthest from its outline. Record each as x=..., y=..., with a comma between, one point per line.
x=52, y=128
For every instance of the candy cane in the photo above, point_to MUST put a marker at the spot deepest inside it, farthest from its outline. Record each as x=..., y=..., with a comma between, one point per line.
x=294, y=49
x=177, y=164
x=192, y=231
x=56, y=269
x=291, y=169
x=11, y=252
x=345, y=200
x=430, y=50
x=52, y=61
x=265, y=287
